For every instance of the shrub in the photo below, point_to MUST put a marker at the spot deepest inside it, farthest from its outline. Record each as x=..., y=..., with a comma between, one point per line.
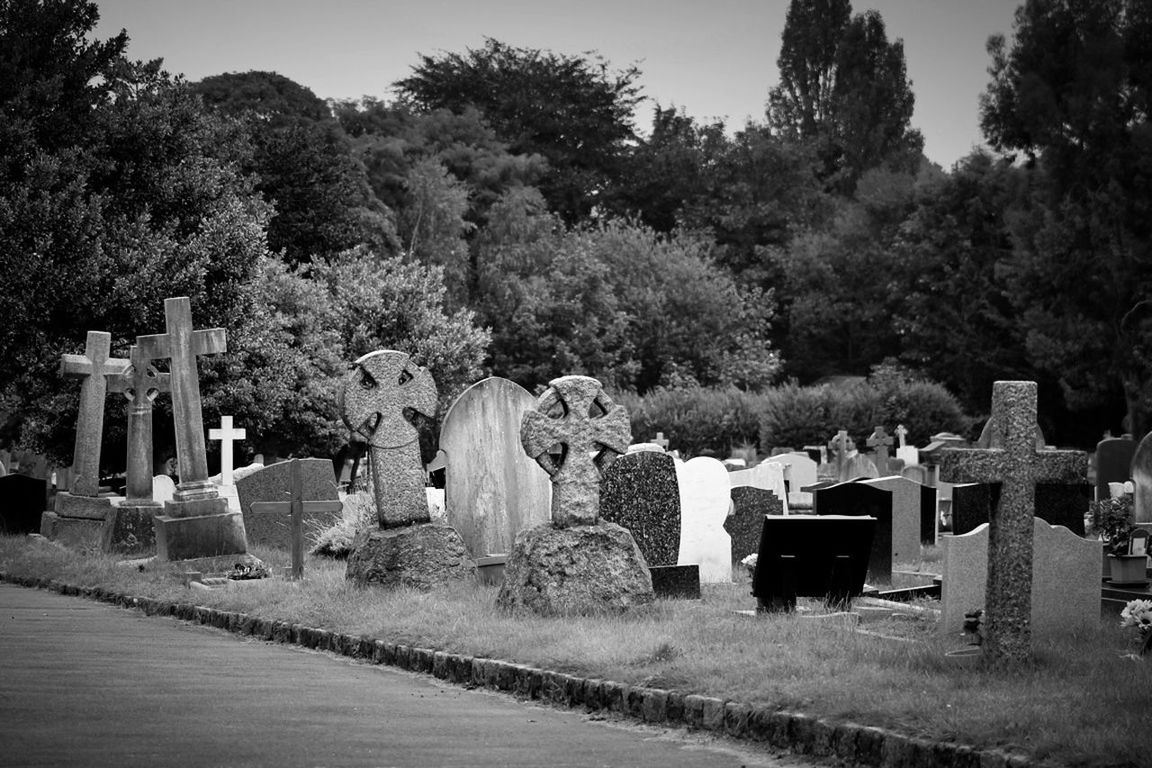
x=697, y=421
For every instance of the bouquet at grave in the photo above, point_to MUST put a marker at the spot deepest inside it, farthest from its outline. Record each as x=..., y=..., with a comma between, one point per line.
x=973, y=625
x=750, y=563
x=1113, y=521
x=242, y=572
x=1138, y=614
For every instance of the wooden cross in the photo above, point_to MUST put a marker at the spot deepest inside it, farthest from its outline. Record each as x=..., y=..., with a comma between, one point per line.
x=1014, y=461
x=94, y=368
x=591, y=429
x=880, y=441
x=181, y=345
x=140, y=383
x=226, y=434
x=296, y=507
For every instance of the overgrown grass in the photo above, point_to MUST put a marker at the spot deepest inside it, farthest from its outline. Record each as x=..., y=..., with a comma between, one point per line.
x=1081, y=703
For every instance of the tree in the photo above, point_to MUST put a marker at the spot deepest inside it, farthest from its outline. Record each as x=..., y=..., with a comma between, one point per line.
x=572, y=110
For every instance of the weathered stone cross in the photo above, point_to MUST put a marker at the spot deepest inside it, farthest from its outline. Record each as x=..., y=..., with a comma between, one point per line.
x=140, y=384
x=591, y=429
x=94, y=368
x=376, y=392
x=901, y=433
x=1015, y=463
x=226, y=434
x=180, y=345
x=880, y=441
x=839, y=447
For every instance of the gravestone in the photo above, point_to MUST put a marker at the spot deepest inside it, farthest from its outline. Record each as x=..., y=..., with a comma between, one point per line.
x=909, y=454
x=226, y=434
x=492, y=490
x=22, y=501
x=811, y=556
x=916, y=474
x=163, y=488
x=577, y=563
x=972, y=505
x=407, y=548
x=1113, y=462
x=265, y=495
x=855, y=499
x=1065, y=591
x=1142, y=480
x=929, y=515
x=768, y=475
x=196, y=523
x=746, y=523
x=1012, y=459
x=640, y=493
x=906, y=511
x=705, y=497
x=1055, y=503
x=881, y=444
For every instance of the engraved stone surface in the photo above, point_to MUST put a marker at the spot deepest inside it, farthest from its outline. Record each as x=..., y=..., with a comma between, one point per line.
x=746, y=523
x=1014, y=461
x=705, y=498
x=591, y=429
x=421, y=556
x=639, y=492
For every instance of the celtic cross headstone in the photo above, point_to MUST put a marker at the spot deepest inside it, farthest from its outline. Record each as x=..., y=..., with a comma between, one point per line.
x=880, y=441
x=140, y=384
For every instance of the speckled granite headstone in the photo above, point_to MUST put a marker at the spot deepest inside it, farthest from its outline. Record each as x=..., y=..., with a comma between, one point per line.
x=639, y=492
x=746, y=523
x=1014, y=462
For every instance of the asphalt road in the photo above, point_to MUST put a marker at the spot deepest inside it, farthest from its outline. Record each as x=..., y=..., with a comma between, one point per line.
x=85, y=683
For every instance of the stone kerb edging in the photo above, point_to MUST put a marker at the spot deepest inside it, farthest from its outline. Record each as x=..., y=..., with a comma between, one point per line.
x=797, y=732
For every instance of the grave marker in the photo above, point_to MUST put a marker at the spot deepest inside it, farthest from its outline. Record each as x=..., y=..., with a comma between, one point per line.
x=880, y=442
x=639, y=491
x=906, y=453
x=705, y=497
x=226, y=434
x=1142, y=480
x=265, y=495
x=855, y=499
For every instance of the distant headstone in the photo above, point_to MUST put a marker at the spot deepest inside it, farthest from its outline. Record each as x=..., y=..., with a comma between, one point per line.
x=881, y=444
x=909, y=454
x=265, y=495
x=746, y=523
x=811, y=556
x=492, y=490
x=163, y=488
x=929, y=515
x=1142, y=480
x=22, y=500
x=915, y=473
x=906, y=524
x=768, y=475
x=1065, y=591
x=704, y=502
x=800, y=471
x=1063, y=504
x=226, y=434
x=639, y=492
x=855, y=499
x=1113, y=462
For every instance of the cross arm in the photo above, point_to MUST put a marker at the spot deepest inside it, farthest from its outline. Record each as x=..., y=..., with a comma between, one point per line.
x=1068, y=467
x=972, y=465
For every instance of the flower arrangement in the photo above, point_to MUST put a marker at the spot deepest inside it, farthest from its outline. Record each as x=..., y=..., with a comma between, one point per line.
x=1113, y=521
x=1138, y=614
x=750, y=564
x=974, y=625
x=242, y=572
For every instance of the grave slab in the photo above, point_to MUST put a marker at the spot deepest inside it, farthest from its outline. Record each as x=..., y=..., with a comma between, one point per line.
x=639, y=491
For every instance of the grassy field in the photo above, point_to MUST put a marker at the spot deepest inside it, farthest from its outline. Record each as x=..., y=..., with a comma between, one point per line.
x=1081, y=702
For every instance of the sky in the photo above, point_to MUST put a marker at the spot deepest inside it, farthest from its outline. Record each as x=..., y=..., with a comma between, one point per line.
x=713, y=59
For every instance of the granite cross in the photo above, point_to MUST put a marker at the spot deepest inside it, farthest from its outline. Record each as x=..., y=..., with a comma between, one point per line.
x=880, y=441
x=226, y=434
x=1014, y=461
x=94, y=368
x=591, y=429
x=140, y=383
x=375, y=395
x=181, y=345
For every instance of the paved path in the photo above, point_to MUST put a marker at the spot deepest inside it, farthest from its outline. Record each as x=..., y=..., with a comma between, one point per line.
x=86, y=683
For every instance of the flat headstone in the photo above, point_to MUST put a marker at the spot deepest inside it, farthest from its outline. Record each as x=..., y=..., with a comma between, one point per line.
x=801, y=551
x=746, y=523
x=856, y=499
x=1113, y=462
x=704, y=502
x=163, y=488
x=22, y=501
x=1065, y=579
x=271, y=485
x=639, y=491
x=492, y=489
x=1142, y=480
x=906, y=522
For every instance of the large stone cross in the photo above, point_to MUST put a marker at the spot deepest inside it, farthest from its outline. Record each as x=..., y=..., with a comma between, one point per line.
x=880, y=441
x=226, y=434
x=1014, y=461
x=181, y=345
x=94, y=368
x=375, y=395
x=591, y=429
x=140, y=383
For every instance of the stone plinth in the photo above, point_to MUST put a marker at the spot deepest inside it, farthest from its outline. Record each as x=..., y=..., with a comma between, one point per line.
x=422, y=555
x=575, y=570
x=197, y=529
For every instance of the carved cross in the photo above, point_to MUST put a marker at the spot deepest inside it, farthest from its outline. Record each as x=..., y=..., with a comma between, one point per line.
x=181, y=345
x=591, y=430
x=226, y=434
x=901, y=433
x=94, y=368
x=140, y=383
x=377, y=391
x=839, y=448
x=880, y=441
x=660, y=440
x=1013, y=461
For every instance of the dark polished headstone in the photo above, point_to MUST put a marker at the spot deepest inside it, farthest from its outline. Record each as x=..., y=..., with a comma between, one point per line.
x=639, y=492
x=811, y=556
x=676, y=581
x=22, y=501
x=929, y=512
x=972, y=505
x=1113, y=462
x=1055, y=504
x=746, y=523
x=856, y=500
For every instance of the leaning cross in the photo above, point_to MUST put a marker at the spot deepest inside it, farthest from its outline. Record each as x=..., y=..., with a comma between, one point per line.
x=226, y=434
x=94, y=367
x=181, y=345
x=880, y=441
x=576, y=413
x=375, y=394
x=1014, y=461
x=140, y=384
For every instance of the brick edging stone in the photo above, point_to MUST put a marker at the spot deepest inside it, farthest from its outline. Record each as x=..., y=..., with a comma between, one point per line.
x=792, y=731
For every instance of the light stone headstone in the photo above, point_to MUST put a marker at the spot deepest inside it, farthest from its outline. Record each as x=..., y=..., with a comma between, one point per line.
x=705, y=498
x=909, y=454
x=226, y=434
x=768, y=475
x=1065, y=592
x=881, y=443
x=906, y=518
x=800, y=471
x=492, y=490
x=1142, y=480
x=163, y=488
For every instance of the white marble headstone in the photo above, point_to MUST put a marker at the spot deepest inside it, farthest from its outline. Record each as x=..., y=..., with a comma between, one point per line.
x=768, y=475
x=800, y=472
x=163, y=488
x=705, y=497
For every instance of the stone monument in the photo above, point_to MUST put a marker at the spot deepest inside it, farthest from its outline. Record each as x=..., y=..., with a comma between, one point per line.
x=575, y=564
x=407, y=549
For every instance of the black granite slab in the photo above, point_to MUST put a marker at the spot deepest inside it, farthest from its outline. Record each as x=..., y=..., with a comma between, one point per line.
x=676, y=581
x=22, y=501
x=639, y=492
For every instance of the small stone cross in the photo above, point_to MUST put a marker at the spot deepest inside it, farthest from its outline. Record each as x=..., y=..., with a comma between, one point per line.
x=591, y=429
x=839, y=449
x=376, y=392
x=901, y=433
x=94, y=368
x=140, y=383
x=226, y=434
x=660, y=440
x=880, y=441
x=1014, y=461
x=181, y=345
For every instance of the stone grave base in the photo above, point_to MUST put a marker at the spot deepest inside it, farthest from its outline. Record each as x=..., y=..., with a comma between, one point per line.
x=582, y=569
x=80, y=533
x=132, y=531
x=214, y=532
x=421, y=555
x=676, y=581
x=124, y=530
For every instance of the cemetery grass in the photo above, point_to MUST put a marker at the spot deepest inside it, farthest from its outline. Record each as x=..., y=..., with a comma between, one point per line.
x=1081, y=703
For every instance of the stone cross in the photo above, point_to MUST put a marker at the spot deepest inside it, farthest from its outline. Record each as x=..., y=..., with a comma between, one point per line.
x=140, y=383
x=591, y=429
x=94, y=368
x=1014, y=461
x=660, y=440
x=880, y=441
x=839, y=448
x=901, y=433
x=181, y=345
x=374, y=396
x=226, y=434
